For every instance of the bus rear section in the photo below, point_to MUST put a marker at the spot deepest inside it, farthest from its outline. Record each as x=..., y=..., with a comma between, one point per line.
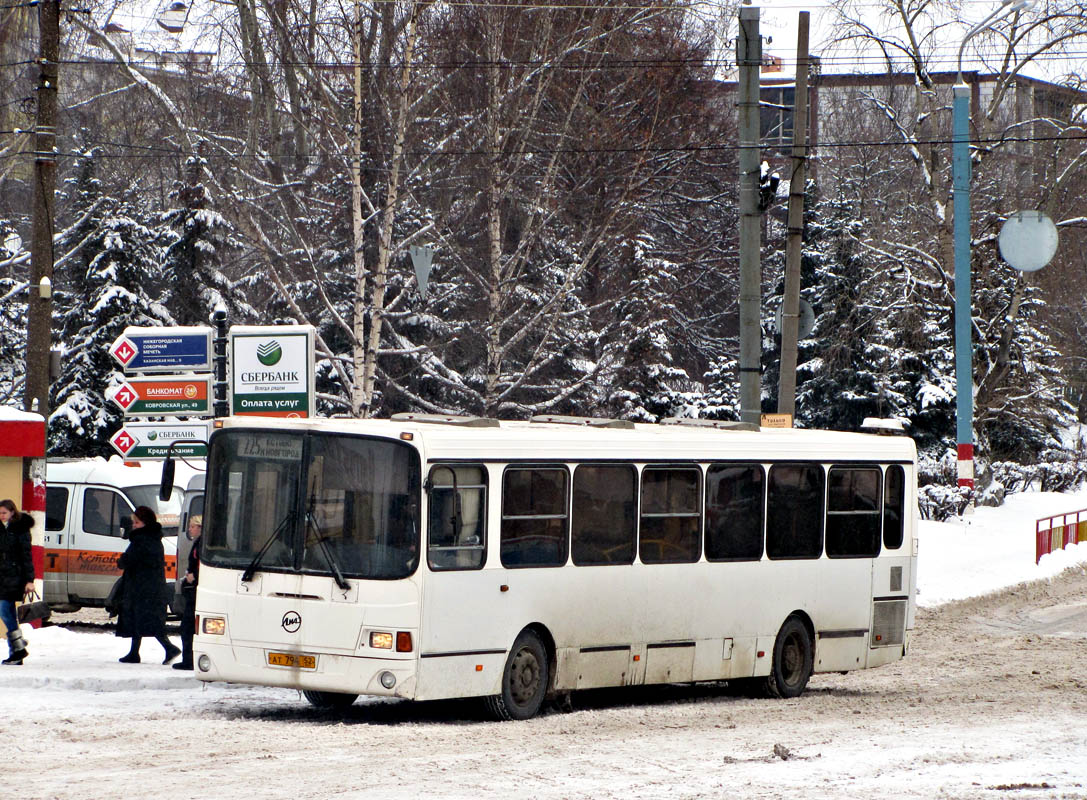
x=308, y=562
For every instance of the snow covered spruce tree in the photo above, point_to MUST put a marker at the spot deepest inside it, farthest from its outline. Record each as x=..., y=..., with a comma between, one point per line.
x=196, y=240
x=110, y=282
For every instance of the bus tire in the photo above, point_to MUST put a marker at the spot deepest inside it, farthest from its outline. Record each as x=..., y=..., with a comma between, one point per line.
x=793, y=660
x=525, y=680
x=329, y=701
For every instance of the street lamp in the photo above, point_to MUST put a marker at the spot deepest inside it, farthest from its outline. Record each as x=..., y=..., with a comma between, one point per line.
x=960, y=172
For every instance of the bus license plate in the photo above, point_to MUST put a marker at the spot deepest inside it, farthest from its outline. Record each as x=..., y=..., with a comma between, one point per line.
x=292, y=660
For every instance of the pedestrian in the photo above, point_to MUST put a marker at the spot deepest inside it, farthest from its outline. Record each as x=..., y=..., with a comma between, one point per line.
x=142, y=609
x=16, y=574
x=188, y=593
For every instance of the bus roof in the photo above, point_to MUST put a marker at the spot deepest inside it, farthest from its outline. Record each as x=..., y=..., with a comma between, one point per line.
x=508, y=440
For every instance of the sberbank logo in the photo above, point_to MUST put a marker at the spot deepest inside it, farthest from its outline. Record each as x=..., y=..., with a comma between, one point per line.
x=152, y=435
x=269, y=353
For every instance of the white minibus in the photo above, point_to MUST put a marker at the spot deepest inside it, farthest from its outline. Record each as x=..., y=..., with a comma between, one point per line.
x=86, y=501
x=439, y=557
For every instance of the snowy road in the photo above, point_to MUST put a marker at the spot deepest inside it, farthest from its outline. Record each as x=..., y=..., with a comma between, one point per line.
x=991, y=702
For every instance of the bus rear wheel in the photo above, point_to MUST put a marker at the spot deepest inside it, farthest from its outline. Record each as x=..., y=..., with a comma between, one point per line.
x=329, y=701
x=793, y=660
x=524, y=680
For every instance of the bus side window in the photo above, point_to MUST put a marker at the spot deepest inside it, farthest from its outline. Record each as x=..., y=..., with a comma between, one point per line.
x=853, y=512
x=534, y=520
x=56, y=508
x=794, y=511
x=735, y=507
x=455, y=524
x=604, y=513
x=671, y=519
x=894, y=507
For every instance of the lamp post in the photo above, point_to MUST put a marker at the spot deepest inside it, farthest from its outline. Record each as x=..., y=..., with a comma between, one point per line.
x=960, y=172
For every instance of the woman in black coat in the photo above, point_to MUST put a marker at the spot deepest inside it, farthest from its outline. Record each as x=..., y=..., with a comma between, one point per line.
x=142, y=609
x=16, y=574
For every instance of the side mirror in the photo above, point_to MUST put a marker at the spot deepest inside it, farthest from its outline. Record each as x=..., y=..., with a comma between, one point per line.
x=166, y=485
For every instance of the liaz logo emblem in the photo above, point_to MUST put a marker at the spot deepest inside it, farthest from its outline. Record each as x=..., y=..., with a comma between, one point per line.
x=269, y=353
x=292, y=621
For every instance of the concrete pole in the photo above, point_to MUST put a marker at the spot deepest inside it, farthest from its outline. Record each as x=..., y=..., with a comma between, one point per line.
x=40, y=306
x=790, y=312
x=964, y=367
x=749, y=60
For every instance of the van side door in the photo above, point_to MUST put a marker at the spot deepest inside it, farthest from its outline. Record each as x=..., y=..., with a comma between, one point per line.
x=97, y=543
x=57, y=539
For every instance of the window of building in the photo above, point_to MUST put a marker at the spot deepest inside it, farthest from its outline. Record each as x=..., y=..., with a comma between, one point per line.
x=894, y=507
x=853, y=512
x=671, y=518
x=794, y=511
x=734, y=512
x=534, y=520
x=457, y=516
x=604, y=515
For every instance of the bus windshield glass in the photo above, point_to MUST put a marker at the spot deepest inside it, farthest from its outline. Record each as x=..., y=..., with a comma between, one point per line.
x=315, y=503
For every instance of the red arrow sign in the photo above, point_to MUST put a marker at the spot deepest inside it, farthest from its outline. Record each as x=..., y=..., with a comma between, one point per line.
x=123, y=441
x=125, y=396
x=123, y=350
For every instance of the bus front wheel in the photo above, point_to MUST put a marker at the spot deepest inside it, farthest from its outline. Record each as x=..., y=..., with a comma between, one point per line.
x=329, y=701
x=793, y=660
x=524, y=680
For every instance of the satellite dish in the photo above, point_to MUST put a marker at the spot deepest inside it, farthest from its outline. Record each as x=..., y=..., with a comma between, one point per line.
x=806, y=323
x=1028, y=240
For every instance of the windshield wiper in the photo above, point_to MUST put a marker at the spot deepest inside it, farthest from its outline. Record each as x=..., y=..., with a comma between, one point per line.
x=252, y=568
x=332, y=564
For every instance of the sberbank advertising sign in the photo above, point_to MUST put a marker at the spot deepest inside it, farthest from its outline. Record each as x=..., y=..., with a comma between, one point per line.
x=272, y=370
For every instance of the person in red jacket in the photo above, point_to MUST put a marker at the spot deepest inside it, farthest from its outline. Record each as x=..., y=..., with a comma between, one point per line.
x=16, y=574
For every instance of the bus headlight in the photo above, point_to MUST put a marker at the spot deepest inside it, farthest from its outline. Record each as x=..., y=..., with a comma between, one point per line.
x=216, y=626
x=381, y=641
x=204, y=663
x=388, y=680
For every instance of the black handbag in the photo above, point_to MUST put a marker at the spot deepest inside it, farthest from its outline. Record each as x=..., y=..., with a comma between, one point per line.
x=32, y=608
x=113, y=599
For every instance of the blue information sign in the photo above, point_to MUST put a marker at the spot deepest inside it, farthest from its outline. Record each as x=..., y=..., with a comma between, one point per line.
x=164, y=349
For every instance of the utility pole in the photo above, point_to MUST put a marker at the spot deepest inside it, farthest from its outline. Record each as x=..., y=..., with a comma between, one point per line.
x=749, y=63
x=790, y=311
x=40, y=306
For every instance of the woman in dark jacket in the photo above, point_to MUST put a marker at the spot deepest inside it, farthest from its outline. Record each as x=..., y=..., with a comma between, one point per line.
x=16, y=574
x=143, y=590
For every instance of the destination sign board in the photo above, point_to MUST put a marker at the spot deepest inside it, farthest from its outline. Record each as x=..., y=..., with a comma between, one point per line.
x=170, y=395
x=168, y=349
x=153, y=439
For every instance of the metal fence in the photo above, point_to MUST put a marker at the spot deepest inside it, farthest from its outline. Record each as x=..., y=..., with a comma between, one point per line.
x=1059, y=531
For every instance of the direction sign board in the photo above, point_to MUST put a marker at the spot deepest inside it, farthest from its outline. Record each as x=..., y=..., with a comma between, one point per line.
x=272, y=370
x=143, y=349
x=185, y=395
x=153, y=439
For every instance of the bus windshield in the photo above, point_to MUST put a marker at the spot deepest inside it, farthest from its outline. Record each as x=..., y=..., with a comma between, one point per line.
x=315, y=503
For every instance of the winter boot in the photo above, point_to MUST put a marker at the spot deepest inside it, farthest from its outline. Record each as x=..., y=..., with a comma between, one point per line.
x=17, y=646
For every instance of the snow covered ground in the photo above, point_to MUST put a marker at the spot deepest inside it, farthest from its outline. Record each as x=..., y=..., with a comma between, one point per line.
x=72, y=697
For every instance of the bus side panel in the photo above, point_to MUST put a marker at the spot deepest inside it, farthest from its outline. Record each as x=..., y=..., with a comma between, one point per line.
x=727, y=604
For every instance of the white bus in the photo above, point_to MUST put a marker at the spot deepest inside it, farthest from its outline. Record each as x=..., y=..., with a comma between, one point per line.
x=444, y=557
